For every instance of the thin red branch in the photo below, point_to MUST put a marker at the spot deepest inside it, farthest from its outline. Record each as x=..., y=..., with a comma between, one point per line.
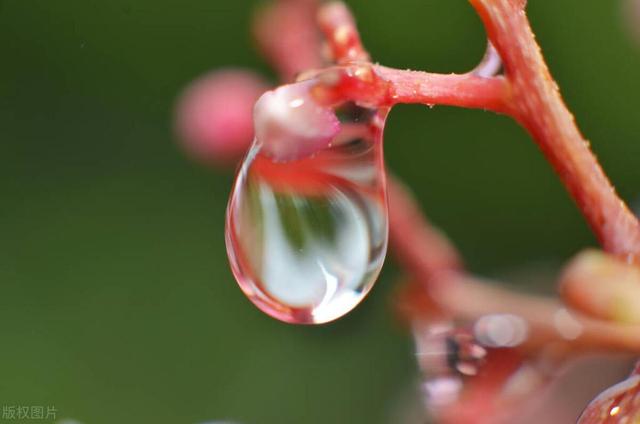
x=462, y=90
x=433, y=261
x=380, y=86
x=337, y=24
x=527, y=93
x=469, y=298
x=404, y=86
x=538, y=106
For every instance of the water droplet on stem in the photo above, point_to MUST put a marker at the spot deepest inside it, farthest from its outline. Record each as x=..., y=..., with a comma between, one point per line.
x=307, y=217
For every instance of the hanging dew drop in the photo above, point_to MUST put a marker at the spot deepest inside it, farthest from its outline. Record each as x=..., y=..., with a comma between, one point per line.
x=307, y=218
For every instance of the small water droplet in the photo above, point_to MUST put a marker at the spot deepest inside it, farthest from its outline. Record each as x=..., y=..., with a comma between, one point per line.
x=307, y=217
x=619, y=404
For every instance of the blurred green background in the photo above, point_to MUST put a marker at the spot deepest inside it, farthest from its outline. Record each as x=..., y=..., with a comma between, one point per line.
x=116, y=301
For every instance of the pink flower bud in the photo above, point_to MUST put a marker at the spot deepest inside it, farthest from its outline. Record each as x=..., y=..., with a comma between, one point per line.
x=602, y=286
x=290, y=124
x=214, y=115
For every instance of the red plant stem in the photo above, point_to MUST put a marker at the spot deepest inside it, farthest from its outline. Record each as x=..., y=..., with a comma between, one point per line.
x=404, y=86
x=462, y=90
x=528, y=94
x=427, y=254
x=380, y=86
x=538, y=106
x=337, y=24
x=434, y=263
x=468, y=298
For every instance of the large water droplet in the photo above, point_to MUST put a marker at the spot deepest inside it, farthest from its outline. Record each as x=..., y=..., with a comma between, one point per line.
x=307, y=218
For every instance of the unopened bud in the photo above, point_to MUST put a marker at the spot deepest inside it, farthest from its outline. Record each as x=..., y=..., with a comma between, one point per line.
x=290, y=124
x=602, y=286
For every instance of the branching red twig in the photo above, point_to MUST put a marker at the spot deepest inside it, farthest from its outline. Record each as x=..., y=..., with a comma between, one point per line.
x=538, y=106
x=433, y=261
x=527, y=93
